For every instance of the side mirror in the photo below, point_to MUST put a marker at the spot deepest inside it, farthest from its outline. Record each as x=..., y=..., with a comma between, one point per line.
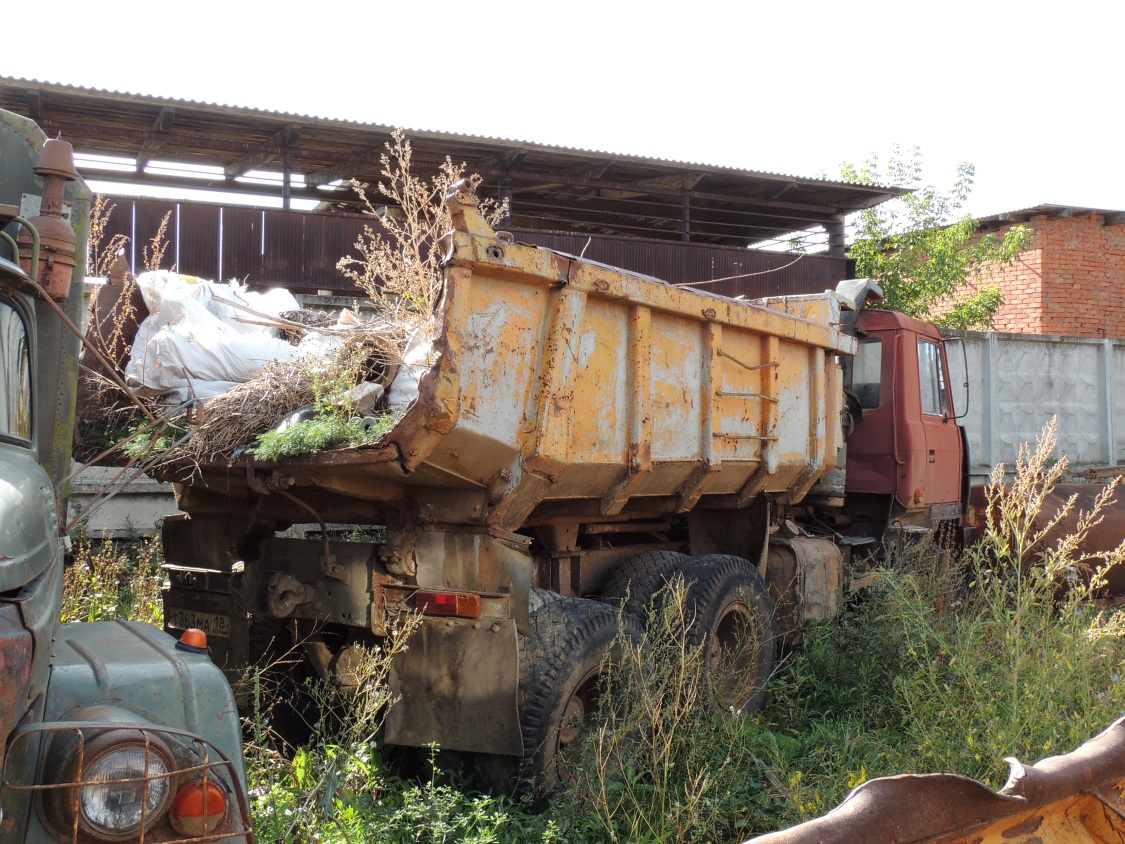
x=959, y=372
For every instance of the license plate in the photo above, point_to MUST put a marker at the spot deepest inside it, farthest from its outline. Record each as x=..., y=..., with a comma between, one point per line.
x=211, y=623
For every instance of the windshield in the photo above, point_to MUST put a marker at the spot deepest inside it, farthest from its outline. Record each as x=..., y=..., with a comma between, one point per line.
x=15, y=375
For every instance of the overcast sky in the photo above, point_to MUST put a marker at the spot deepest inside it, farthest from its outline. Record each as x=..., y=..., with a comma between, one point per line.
x=1030, y=93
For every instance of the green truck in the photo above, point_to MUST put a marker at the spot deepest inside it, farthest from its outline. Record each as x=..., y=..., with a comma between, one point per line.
x=110, y=731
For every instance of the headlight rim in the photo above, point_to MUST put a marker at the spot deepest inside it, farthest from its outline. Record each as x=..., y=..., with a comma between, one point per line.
x=67, y=799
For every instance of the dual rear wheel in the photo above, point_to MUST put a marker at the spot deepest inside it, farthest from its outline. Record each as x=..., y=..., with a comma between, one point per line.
x=726, y=611
x=723, y=608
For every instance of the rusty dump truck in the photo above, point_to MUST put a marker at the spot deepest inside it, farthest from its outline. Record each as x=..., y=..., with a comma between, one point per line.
x=109, y=731
x=581, y=435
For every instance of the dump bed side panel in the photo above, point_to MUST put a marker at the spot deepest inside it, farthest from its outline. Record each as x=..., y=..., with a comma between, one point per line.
x=560, y=380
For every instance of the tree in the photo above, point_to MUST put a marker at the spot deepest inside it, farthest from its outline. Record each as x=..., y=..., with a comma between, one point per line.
x=924, y=249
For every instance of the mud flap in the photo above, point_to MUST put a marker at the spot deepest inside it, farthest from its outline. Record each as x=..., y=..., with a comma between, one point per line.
x=455, y=686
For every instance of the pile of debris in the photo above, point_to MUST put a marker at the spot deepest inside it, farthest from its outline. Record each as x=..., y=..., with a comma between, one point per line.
x=228, y=364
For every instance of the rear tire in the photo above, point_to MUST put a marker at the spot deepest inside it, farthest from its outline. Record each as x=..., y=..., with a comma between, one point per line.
x=573, y=645
x=728, y=612
x=634, y=584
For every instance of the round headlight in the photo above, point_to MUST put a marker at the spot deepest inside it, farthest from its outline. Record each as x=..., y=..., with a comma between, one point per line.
x=125, y=788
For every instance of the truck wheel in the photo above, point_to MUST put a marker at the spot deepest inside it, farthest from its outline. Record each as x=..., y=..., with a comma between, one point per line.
x=728, y=611
x=573, y=644
x=633, y=585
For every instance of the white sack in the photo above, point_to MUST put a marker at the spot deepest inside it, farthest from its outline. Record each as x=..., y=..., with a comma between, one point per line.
x=418, y=358
x=189, y=337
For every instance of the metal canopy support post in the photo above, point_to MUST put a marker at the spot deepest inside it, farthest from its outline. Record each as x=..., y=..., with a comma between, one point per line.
x=506, y=198
x=836, y=245
x=685, y=235
x=287, y=180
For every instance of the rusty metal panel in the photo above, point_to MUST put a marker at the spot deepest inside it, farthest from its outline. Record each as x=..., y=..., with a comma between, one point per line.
x=148, y=214
x=328, y=238
x=1079, y=797
x=201, y=251
x=531, y=388
x=1100, y=539
x=241, y=247
x=765, y=273
x=531, y=400
x=455, y=685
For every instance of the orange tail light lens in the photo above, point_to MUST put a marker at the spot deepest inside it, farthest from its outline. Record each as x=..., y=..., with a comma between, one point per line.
x=198, y=809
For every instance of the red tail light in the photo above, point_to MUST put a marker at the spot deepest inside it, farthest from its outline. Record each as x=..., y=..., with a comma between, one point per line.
x=458, y=604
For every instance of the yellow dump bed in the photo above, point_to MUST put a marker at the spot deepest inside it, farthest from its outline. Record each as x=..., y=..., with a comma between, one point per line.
x=563, y=386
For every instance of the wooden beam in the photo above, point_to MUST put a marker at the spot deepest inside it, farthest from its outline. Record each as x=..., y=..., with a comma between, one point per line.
x=781, y=191
x=501, y=160
x=34, y=105
x=687, y=181
x=162, y=125
x=286, y=136
x=317, y=178
x=582, y=174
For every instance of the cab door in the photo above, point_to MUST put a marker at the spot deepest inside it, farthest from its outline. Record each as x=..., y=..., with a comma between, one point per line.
x=943, y=438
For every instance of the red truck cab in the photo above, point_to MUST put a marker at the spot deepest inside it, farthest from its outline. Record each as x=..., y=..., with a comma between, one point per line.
x=906, y=454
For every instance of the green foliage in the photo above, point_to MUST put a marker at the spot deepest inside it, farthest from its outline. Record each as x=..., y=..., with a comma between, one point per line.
x=1028, y=664
x=334, y=424
x=323, y=432
x=112, y=579
x=145, y=442
x=370, y=803
x=125, y=433
x=923, y=247
x=953, y=665
x=339, y=788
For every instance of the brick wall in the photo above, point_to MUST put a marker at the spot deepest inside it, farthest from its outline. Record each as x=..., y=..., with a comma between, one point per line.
x=1071, y=281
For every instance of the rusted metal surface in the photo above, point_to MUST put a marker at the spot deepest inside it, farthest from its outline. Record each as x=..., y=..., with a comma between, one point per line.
x=806, y=580
x=1079, y=797
x=300, y=250
x=454, y=685
x=15, y=669
x=1102, y=538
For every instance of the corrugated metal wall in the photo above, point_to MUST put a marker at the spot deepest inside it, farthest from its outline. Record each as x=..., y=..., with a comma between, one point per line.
x=299, y=250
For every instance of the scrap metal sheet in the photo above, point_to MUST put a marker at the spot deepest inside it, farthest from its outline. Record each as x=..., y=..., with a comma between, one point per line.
x=1079, y=797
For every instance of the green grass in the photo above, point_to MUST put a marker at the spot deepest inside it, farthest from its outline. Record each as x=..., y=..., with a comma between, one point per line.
x=324, y=432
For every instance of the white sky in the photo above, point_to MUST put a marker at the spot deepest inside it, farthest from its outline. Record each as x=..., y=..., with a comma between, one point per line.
x=1028, y=92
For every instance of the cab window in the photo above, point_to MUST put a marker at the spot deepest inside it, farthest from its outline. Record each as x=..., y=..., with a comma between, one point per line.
x=931, y=377
x=15, y=375
x=867, y=372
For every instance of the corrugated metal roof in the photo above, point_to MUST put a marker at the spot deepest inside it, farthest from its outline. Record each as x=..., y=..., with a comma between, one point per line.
x=1023, y=215
x=552, y=187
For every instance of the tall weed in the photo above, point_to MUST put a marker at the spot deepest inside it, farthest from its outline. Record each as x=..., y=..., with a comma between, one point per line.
x=663, y=765
x=1026, y=663
x=111, y=579
x=953, y=666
